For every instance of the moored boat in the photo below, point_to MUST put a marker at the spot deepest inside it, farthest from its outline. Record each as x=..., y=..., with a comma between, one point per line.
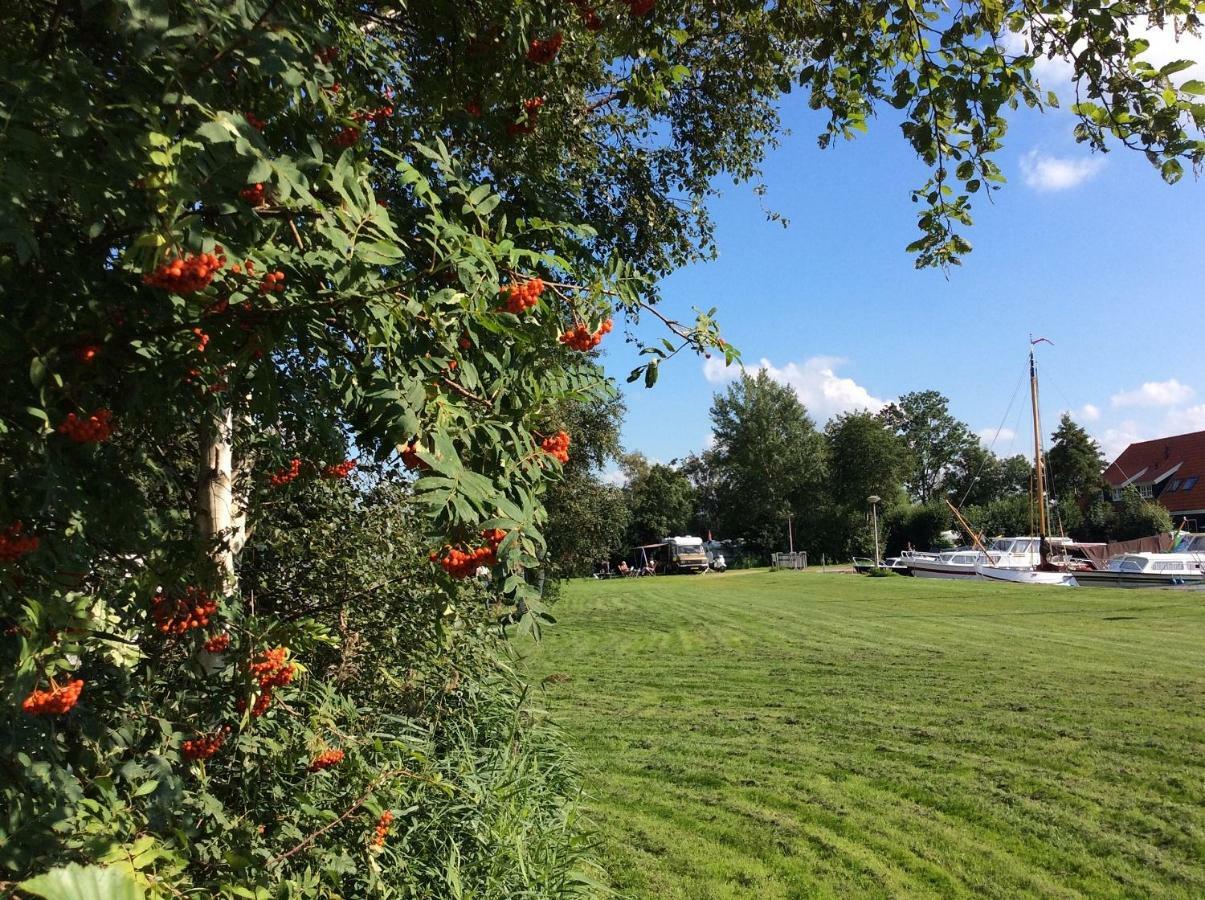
x=1146, y=570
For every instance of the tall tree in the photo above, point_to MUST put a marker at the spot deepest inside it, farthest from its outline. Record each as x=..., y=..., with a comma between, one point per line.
x=703, y=471
x=865, y=458
x=978, y=476
x=770, y=458
x=587, y=518
x=935, y=440
x=661, y=500
x=1075, y=463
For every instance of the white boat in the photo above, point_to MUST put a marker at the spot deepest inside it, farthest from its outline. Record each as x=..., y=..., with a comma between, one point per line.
x=1147, y=570
x=951, y=564
x=1025, y=576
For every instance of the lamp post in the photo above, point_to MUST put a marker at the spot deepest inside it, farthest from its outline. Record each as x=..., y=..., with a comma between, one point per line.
x=790, y=533
x=873, y=499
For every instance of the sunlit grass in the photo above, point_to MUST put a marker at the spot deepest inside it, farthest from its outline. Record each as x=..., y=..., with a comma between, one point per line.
x=799, y=734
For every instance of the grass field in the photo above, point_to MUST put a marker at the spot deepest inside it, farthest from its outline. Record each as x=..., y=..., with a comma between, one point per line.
x=802, y=734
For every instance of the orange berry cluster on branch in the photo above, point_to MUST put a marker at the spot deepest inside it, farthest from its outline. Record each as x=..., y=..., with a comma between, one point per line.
x=521, y=297
x=53, y=702
x=287, y=474
x=272, y=668
x=326, y=760
x=531, y=110
x=410, y=457
x=376, y=116
x=14, y=543
x=206, y=745
x=382, y=829
x=92, y=430
x=339, y=470
x=218, y=643
x=254, y=194
x=272, y=283
x=542, y=52
x=186, y=274
x=347, y=136
x=581, y=338
x=557, y=446
x=202, y=339
x=193, y=610
x=464, y=563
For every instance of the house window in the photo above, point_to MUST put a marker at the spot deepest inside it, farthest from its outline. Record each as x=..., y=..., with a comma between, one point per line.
x=1174, y=486
x=1145, y=491
x=1189, y=483
x=1117, y=492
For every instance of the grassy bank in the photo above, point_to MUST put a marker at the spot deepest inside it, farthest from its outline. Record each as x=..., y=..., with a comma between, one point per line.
x=799, y=734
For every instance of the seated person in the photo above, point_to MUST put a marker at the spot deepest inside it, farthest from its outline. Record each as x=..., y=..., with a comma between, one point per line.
x=650, y=568
x=623, y=567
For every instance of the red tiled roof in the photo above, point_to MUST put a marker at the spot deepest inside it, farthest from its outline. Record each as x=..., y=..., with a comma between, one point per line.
x=1153, y=459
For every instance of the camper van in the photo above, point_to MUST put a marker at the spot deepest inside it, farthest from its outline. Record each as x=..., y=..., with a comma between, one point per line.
x=686, y=554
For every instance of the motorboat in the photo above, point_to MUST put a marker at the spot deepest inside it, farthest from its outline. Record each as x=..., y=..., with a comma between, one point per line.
x=1147, y=570
x=958, y=563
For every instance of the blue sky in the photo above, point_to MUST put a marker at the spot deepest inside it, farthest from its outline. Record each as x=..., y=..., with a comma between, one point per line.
x=1094, y=252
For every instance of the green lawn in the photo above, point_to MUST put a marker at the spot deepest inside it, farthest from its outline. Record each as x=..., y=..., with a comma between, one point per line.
x=802, y=734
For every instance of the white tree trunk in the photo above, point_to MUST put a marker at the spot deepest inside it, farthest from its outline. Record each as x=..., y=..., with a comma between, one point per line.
x=220, y=517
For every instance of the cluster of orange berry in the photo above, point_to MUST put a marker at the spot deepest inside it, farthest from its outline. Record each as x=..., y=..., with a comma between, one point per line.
x=287, y=474
x=464, y=563
x=524, y=296
x=253, y=194
x=255, y=122
x=376, y=116
x=542, y=52
x=202, y=339
x=382, y=829
x=191, y=611
x=14, y=544
x=87, y=354
x=339, y=470
x=272, y=668
x=531, y=109
x=53, y=702
x=579, y=337
x=557, y=446
x=272, y=283
x=206, y=745
x=92, y=430
x=347, y=136
x=187, y=274
x=326, y=760
x=410, y=457
x=218, y=643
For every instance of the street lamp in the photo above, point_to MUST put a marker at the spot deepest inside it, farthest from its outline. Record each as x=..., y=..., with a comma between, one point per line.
x=873, y=500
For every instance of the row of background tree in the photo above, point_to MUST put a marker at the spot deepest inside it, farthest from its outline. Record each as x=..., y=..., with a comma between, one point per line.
x=769, y=461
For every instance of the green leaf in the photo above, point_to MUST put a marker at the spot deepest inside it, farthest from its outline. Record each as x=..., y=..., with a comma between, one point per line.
x=261, y=170
x=76, y=882
x=1193, y=87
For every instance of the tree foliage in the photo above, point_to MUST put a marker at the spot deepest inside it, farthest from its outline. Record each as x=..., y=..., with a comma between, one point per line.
x=1075, y=463
x=770, y=458
x=936, y=441
x=660, y=500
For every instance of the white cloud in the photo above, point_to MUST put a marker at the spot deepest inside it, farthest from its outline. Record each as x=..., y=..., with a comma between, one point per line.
x=1155, y=393
x=1089, y=413
x=613, y=475
x=995, y=441
x=716, y=370
x=815, y=381
x=1044, y=172
x=1114, y=440
x=709, y=440
x=1182, y=421
x=1058, y=74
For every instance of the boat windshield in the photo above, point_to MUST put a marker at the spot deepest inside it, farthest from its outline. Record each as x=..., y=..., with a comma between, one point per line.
x=1003, y=545
x=1127, y=564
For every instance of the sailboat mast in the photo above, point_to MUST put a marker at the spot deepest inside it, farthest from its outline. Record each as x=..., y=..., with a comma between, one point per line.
x=1039, y=470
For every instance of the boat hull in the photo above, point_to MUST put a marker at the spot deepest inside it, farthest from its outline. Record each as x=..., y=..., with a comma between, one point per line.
x=1025, y=576
x=941, y=570
x=1105, y=578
